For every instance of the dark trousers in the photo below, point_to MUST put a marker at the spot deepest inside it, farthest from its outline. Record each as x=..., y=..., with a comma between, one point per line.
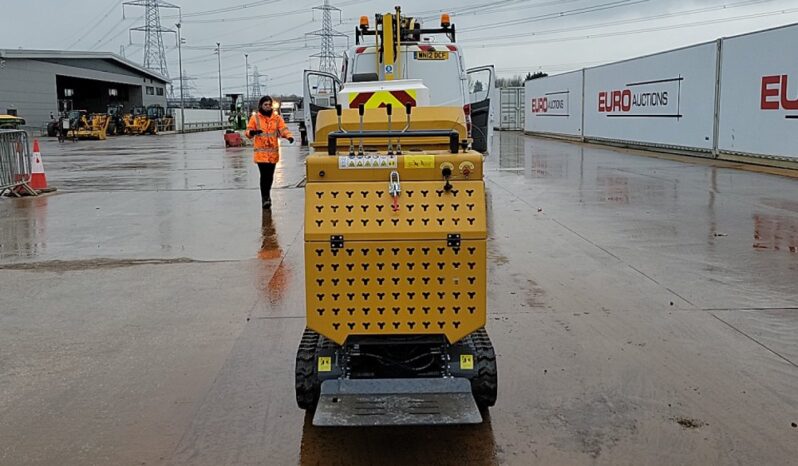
x=266, y=180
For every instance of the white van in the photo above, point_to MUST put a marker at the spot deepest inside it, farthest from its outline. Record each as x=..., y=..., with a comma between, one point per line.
x=288, y=111
x=440, y=67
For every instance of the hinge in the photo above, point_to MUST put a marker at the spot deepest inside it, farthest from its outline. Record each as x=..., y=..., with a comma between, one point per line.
x=337, y=241
x=453, y=240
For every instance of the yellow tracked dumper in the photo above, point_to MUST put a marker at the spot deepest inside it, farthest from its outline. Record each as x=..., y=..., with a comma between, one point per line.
x=395, y=266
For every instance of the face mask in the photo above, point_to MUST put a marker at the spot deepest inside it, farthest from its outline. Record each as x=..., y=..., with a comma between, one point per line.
x=266, y=112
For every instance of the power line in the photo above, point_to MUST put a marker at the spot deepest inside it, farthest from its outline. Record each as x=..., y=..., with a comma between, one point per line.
x=101, y=43
x=496, y=7
x=650, y=29
x=96, y=20
x=623, y=22
x=556, y=15
x=276, y=14
x=225, y=9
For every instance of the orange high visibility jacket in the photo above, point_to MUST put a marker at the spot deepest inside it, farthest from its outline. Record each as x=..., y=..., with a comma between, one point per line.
x=267, y=147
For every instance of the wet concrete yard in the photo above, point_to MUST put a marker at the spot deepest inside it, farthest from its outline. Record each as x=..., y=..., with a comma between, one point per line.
x=644, y=311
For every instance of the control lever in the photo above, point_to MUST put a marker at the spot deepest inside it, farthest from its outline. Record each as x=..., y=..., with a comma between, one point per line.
x=389, y=110
x=408, y=110
x=447, y=172
x=361, y=110
x=339, y=111
x=394, y=189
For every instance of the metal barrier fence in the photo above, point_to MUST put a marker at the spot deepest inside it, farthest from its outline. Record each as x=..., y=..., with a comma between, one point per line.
x=15, y=162
x=204, y=126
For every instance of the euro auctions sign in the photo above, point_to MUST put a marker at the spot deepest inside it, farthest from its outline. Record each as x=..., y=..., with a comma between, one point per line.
x=776, y=94
x=551, y=104
x=648, y=99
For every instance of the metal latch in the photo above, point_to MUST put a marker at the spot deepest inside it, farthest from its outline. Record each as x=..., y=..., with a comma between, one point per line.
x=336, y=241
x=453, y=240
x=394, y=189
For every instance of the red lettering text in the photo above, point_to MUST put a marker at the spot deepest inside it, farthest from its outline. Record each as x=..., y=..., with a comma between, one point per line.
x=776, y=93
x=615, y=101
x=768, y=91
x=540, y=105
x=786, y=103
x=626, y=100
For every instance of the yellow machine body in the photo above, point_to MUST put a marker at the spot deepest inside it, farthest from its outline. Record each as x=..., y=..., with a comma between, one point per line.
x=373, y=270
x=95, y=126
x=443, y=118
x=140, y=124
x=395, y=255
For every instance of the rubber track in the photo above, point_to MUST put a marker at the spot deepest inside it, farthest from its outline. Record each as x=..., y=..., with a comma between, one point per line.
x=307, y=386
x=484, y=385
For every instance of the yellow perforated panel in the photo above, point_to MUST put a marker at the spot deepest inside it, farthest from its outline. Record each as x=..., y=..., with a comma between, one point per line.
x=395, y=287
x=395, y=273
x=363, y=211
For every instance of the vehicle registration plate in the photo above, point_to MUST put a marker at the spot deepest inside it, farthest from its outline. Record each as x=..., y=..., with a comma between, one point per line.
x=431, y=55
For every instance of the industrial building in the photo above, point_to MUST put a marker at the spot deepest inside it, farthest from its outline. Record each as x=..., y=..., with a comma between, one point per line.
x=38, y=83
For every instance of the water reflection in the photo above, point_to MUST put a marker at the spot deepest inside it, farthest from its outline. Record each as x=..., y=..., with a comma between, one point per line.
x=775, y=232
x=270, y=246
x=441, y=445
x=539, y=161
x=236, y=162
x=616, y=187
x=23, y=227
x=278, y=282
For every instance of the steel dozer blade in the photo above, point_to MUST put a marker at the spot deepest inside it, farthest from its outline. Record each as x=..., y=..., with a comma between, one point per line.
x=396, y=402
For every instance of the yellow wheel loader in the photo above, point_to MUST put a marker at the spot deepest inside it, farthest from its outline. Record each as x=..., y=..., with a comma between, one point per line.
x=395, y=261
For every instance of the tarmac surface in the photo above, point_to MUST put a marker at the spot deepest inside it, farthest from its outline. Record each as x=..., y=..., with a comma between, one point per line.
x=644, y=311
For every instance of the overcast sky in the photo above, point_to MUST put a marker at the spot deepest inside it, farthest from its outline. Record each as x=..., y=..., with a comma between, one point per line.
x=516, y=36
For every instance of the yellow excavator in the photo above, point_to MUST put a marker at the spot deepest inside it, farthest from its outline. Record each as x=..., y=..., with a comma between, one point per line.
x=395, y=257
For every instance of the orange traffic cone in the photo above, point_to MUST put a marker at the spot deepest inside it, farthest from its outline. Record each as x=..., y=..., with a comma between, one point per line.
x=38, y=179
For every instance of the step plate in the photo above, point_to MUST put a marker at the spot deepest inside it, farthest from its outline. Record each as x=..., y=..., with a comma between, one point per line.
x=394, y=402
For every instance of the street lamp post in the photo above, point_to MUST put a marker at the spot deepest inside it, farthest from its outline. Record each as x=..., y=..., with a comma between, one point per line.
x=246, y=86
x=221, y=109
x=180, y=64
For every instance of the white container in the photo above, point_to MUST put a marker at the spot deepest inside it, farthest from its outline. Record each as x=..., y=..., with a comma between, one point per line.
x=667, y=99
x=759, y=94
x=553, y=105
